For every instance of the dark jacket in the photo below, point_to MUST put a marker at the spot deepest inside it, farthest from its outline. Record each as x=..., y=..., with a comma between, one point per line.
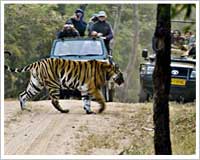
x=90, y=24
x=104, y=28
x=79, y=25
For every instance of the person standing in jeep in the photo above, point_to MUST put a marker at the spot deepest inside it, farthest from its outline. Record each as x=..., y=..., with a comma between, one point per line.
x=102, y=29
x=92, y=21
x=78, y=22
x=68, y=31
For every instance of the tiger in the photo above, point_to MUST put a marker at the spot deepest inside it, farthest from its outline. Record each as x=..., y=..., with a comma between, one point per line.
x=55, y=74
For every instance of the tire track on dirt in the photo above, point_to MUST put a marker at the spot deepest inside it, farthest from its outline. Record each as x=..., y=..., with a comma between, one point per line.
x=25, y=135
x=43, y=131
x=47, y=130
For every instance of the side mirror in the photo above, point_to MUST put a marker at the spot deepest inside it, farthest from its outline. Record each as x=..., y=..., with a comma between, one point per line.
x=145, y=53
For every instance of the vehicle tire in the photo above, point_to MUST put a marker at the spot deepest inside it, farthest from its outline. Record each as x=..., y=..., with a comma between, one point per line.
x=181, y=100
x=143, y=96
x=105, y=92
x=111, y=92
x=64, y=94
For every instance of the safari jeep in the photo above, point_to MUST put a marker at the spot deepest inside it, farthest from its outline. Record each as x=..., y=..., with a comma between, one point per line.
x=83, y=49
x=183, y=78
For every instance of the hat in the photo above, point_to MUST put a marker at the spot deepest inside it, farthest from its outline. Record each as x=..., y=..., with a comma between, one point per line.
x=102, y=14
x=79, y=11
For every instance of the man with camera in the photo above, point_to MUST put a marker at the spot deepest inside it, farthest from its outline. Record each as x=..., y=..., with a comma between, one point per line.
x=78, y=22
x=68, y=31
x=102, y=29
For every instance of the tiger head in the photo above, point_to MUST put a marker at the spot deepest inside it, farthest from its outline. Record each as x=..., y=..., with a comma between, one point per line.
x=118, y=76
x=114, y=72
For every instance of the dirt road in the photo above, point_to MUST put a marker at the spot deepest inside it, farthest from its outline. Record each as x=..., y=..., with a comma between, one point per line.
x=45, y=131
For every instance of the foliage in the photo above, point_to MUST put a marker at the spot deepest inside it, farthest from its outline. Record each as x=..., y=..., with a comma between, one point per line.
x=31, y=28
x=183, y=12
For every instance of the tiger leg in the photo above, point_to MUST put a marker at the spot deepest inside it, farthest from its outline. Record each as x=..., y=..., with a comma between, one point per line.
x=54, y=95
x=96, y=93
x=86, y=99
x=34, y=87
x=86, y=104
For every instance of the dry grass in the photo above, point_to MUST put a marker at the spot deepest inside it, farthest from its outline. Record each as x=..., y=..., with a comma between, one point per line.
x=183, y=131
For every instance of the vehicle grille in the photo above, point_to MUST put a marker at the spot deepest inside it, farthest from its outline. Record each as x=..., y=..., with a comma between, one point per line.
x=179, y=72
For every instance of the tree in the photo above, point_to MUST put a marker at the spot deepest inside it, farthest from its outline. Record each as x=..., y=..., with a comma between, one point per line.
x=161, y=80
x=179, y=8
x=83, y=6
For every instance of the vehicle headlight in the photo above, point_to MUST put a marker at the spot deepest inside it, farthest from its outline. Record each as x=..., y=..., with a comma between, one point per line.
x=150, y=69
x=193, y=74
x=142, y=69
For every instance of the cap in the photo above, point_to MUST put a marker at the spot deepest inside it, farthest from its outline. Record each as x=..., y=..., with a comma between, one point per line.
x=79, y=11
x=102, y=14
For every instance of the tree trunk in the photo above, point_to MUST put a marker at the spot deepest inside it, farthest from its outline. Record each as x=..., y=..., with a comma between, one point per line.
x=161, y=80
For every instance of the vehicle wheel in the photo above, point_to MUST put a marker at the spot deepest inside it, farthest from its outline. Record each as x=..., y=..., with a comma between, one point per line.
x=143, y=96
x=104, y=92
x=111, y=95
x=64, y=94
x=108, y=93
x=181, y=100
x=111, y=91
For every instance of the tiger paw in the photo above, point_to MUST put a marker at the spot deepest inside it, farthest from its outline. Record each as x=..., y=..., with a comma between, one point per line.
x=101, y=110
x=25, y=109
x=65, y=111
x=90, y=112
x=87, y=109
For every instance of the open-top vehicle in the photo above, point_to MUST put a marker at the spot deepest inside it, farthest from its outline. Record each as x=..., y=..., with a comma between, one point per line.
x=183, y=78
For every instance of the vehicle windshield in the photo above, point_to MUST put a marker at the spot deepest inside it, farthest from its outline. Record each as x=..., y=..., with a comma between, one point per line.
x=78, y=47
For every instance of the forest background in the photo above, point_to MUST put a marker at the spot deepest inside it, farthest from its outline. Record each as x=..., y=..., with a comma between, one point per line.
x=31, y=28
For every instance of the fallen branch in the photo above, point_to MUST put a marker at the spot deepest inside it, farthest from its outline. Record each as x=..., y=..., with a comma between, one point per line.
x=148, y=129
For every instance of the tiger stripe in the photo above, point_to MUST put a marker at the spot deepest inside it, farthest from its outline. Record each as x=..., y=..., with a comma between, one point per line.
x=55, y=74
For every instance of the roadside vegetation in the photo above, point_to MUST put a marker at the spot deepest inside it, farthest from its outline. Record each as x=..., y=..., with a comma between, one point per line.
x=31, y=29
